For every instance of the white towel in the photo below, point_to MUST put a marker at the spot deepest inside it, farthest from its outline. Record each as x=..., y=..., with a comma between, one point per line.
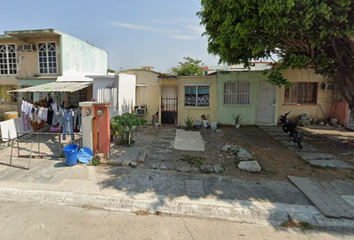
x=12, y=129
x=4, y=131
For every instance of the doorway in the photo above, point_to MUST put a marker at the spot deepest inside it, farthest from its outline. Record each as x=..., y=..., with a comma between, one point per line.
x=169, y=105
x=266, y=104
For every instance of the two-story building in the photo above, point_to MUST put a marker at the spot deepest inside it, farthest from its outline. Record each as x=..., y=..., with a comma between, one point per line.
x=35, y=57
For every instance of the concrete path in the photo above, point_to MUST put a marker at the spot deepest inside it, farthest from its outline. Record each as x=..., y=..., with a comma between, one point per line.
x=308, y=153
x=189, y=141
x=160, y=155
x=129, y=190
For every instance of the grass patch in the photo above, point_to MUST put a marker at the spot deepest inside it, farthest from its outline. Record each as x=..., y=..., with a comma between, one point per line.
x=291, y=223
x=193, y=160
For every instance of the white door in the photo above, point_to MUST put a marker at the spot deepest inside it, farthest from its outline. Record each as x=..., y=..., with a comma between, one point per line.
x=266, y=103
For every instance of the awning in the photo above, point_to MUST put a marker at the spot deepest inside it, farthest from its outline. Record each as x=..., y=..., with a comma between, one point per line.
x=55, y=87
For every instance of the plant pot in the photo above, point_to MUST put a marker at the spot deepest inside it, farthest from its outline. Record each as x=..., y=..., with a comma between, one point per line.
x=238, y=125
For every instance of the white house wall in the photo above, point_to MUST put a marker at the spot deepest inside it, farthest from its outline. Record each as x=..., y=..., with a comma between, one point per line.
x=103, y=94
x=126, y=93
x=81, y=58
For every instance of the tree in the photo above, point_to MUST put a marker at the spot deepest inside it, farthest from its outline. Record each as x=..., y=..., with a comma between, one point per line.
x=188, y=67
x=317, y=34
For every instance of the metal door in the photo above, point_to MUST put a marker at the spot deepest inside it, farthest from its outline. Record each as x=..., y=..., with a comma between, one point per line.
x=266, y=103
x=169, y=105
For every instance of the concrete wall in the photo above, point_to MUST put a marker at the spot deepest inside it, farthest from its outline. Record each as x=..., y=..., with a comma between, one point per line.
x=153, y=89
x=81, y=58
x=103, y=94
x=248, y=112
x=324, y=98
x=126, y=93
x=196, y=112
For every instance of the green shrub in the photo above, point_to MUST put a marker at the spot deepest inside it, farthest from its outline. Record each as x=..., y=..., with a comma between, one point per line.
x=189, y=122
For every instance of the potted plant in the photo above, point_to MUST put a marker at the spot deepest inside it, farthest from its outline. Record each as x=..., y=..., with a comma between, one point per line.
x=237, y=119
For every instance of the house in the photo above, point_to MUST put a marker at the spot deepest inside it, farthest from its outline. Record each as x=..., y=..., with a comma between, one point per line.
x=147, y=91
x=258, y=102
x=187, y=96
x=306, y=95
x=246, y=93
x=35, y=57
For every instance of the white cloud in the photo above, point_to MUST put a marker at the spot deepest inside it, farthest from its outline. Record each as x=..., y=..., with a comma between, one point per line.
x=184, y=37
x=141, y=27
x=196, y=29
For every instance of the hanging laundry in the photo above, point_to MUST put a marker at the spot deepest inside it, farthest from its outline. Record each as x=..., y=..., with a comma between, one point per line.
x=68, y=123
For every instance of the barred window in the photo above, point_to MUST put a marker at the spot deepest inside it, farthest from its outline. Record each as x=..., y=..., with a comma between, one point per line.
x=196, y=96
x=8, y=65
x=301, y=93
x=47, y=58
x=236, y=93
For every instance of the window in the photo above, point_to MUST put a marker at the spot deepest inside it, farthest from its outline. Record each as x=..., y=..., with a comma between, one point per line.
x=301, y=93
x=237, y=93
x=8, y=64
x=47, y=58
x=196, y=96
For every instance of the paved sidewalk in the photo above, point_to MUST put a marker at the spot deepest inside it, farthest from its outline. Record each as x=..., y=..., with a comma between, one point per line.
x=127, y=190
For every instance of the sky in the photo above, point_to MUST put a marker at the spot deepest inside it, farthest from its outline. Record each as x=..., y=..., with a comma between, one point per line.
x=135, y=33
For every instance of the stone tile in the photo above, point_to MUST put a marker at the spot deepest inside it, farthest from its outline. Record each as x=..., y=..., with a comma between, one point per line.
x=331, y=163
x=306, y=148
x=315, y=155
x=195, y=188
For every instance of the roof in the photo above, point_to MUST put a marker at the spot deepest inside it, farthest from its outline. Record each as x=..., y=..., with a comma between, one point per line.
x=137, y=69
x=39, y=33
x=164, y=76
x=55, y=87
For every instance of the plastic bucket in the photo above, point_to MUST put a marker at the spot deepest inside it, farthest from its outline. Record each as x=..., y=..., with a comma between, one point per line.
x=85, y=155
x=70, y=152
x=213, y=125
x=198, y=123
x=205, y=123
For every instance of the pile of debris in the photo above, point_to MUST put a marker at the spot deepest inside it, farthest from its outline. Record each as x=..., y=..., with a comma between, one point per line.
x=304, y=120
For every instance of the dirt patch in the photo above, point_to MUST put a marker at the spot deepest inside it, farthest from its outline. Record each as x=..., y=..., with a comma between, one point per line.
x=276, y=160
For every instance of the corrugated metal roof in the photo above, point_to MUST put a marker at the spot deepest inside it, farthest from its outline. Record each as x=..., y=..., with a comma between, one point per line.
x=55, y=87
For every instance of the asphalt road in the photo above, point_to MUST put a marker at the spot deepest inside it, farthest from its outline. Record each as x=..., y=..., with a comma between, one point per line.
x=34, y=220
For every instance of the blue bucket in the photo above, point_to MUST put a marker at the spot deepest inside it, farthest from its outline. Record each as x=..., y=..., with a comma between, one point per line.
x=70, y=152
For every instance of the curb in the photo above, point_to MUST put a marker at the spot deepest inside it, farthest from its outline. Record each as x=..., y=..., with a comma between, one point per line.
x=233, y=210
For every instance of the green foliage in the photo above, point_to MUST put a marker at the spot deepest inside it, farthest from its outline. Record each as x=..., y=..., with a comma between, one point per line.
x=189, y=122
x=237, y=118
x=124, y=124
x=95, y=161
x=188, y=67
x=194, y=161
x=111, y=71
x=317, y=34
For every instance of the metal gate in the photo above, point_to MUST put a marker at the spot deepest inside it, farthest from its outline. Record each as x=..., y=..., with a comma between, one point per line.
x=169, y=105
x=266, y=104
